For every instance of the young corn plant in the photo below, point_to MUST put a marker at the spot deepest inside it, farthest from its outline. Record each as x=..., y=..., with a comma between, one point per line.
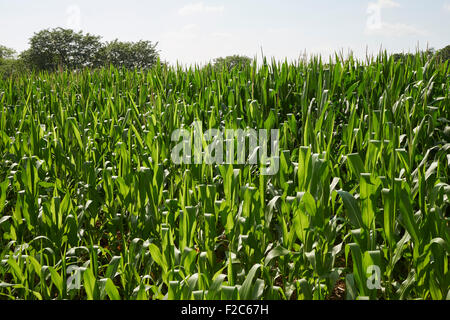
x=93, y=207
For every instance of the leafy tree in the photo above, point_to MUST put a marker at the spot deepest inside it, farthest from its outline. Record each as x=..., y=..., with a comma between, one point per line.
x=444, y=54
x=63, y=48
x=6, y=53
x=130, y=55
x=9, y=65
x=230, y=62
x=12, y=67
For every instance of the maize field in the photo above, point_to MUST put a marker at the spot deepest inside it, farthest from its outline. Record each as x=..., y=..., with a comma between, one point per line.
x=93, y=207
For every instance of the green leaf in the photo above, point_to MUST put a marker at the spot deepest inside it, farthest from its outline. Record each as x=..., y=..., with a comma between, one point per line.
x=356, y=164
x=111, y=290
x=352, y=209
x=112, y=267
x=245, y=292
x=408, y=217
x=3, y=187
x=275, y=253
x=89, y=284
x=157, y=256
x=306, y=289
x=57, y=280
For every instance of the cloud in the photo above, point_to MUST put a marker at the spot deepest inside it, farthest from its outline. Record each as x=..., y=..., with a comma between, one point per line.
x=199, y=8
x=447, y=6
x=376, y=26
x=395, y=30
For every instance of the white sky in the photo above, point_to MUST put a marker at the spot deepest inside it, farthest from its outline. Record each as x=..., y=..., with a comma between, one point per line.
x=199, y=31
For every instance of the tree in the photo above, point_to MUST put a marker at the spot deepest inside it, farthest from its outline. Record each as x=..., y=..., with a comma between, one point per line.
x=9, y=65
x=230, y=62
x=444, y=54
x=140, y=55
x=6, y=53
x=63, y=48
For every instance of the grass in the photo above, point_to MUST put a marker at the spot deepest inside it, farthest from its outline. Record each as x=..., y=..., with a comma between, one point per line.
x=92, y=207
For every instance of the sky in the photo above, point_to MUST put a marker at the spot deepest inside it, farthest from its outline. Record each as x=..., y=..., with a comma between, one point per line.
x=190, y=32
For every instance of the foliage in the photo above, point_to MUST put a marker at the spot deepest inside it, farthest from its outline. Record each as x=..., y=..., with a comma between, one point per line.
x=444, y=53
x=427, y=54
x=63, y=48
x=6, y=53
x=91, y=207
x=12, y=67
x=230, y=62
x=9, y=65
x=130, y=55
x=59, y=48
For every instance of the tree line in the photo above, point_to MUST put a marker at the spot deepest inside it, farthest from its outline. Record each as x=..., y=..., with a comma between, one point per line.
x=64, y=49
x=442, y=54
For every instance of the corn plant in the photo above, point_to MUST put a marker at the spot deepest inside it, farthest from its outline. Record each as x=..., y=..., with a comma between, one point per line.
x=92, y=207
